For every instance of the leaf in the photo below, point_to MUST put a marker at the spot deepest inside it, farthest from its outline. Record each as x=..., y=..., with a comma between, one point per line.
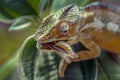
x=47, y=66
x=81, y=2
x=90, y=69
x=4, y=19
x=109, y=69
x=28, y=55
x=74, y=72
x=21, y=23
x=34, y=66
x=8, y=67
x=8, y=13
x=57, y=4
x=34, y=4
x=44, y=4
x=16, y=8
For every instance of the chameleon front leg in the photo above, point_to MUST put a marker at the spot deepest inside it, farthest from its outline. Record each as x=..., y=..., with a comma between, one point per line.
x=92, y=52
x=93, y=49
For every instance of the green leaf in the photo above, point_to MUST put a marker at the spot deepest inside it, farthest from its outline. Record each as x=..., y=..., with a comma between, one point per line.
x=57, y=4
x=74, y=72
x=81, y=2
x=90, y=69
x=8, y=67
x=34, y=4
x=47, y=66
x=109, y=68
x=28, y=55
x=15, y=8
x=4, y=21
x=21, y=23
x=44, y=4
x=34, y=66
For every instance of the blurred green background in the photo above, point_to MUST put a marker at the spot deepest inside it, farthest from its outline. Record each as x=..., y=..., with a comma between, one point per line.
x=19, y=19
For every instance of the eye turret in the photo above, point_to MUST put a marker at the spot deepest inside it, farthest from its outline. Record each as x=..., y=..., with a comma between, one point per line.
x=62, y=29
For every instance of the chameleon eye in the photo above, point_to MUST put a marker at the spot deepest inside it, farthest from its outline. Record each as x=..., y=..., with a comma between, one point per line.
x=63, y=28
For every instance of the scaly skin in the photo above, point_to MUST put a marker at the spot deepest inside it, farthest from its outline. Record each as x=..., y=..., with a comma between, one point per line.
x=96, y=26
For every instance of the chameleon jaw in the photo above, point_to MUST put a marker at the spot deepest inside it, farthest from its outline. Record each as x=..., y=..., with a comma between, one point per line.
x=61, y=48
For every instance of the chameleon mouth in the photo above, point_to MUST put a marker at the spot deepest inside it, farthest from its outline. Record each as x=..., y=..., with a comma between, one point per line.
x=61, y=48
x=48, y=45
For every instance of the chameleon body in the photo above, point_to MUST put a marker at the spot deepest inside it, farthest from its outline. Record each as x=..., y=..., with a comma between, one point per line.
x=96, y=26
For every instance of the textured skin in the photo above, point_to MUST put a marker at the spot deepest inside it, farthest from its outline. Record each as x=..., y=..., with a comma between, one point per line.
x=96, y=26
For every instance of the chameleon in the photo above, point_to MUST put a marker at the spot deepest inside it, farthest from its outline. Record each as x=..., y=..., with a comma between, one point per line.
x=96, y=26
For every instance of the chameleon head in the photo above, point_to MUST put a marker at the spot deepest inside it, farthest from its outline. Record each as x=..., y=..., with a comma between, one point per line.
x=61, y=26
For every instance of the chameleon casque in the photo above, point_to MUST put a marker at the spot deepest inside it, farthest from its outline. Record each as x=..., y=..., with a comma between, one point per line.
x=96, y=26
